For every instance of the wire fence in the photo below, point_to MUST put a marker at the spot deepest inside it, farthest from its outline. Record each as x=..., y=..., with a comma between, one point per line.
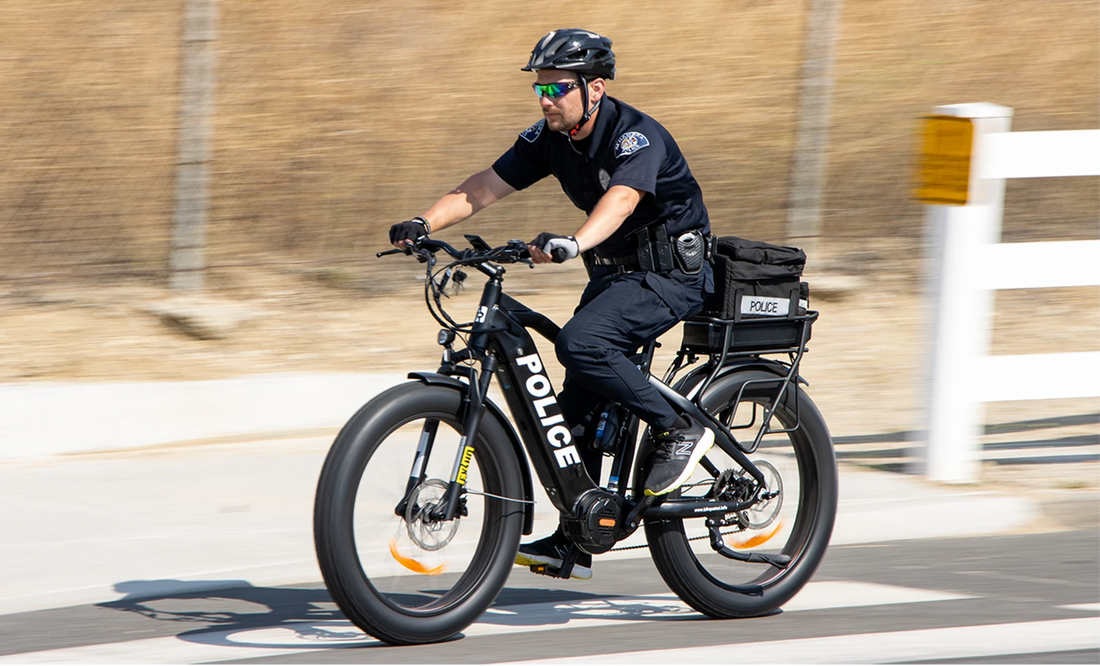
x=86, y=136
x=330, y=124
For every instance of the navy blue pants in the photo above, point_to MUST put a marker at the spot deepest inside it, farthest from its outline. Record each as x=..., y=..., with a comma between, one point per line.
x=618, y=314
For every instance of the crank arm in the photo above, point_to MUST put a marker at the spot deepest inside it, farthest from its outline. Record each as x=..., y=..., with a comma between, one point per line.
x=567, y=564
x=630, y=523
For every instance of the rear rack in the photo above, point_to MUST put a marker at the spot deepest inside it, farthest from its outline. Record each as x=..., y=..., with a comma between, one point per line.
x=721, y=339
x=765, y=335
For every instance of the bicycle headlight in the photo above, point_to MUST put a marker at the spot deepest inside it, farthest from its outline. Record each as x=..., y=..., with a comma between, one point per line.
x=446, y=337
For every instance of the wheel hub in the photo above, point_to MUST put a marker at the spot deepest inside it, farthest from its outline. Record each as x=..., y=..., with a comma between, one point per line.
x=769, y=500
x=426, y=533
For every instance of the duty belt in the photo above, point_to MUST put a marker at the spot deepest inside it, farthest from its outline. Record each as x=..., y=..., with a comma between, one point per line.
x=629, y=261
x=655, y=252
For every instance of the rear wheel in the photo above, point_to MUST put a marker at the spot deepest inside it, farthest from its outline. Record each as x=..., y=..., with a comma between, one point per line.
x=795, y=518
x=394, y=571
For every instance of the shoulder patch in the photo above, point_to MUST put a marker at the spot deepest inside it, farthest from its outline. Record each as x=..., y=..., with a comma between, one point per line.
x=531, y=133
x=631, y=142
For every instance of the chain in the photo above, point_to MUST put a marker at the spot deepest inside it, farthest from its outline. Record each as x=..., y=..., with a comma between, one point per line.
x=695, y=538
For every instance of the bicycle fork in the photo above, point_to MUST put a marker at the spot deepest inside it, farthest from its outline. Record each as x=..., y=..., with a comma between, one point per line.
x=471, y=414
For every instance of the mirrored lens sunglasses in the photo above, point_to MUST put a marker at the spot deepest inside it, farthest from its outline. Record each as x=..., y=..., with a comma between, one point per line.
x=554, y=89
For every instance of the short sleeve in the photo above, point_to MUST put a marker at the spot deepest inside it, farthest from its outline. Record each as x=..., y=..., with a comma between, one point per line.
x=638, y=158
x=524, y=164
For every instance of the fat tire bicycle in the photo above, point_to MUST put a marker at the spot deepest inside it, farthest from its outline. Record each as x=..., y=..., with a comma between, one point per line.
x=426, y=491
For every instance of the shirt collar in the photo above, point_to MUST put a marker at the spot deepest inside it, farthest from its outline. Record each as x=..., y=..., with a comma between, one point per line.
x=605, y=121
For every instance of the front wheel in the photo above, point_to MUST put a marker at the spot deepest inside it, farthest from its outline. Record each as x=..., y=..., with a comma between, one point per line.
x=393, y=570
x=795, y=518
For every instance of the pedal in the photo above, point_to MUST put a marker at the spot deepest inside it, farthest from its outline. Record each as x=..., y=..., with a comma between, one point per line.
x=547, y=570
x=566, y=570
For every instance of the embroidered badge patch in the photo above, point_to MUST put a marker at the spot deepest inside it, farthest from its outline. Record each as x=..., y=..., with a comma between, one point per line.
x=605, y=178
x=531, y=133
x=631, y=142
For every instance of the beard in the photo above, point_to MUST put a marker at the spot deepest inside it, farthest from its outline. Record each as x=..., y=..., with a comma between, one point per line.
x=557, y=122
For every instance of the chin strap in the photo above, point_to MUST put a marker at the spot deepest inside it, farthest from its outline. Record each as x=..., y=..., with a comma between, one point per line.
x=587, y=111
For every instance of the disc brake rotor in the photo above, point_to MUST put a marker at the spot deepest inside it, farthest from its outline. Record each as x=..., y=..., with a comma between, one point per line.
x=427, y=533
x=766, y=509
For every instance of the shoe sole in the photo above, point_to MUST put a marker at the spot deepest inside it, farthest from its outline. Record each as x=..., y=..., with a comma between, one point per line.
x=705, y=444
x=579, y=572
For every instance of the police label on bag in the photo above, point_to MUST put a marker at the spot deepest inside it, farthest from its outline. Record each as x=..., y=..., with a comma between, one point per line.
x=765, y=306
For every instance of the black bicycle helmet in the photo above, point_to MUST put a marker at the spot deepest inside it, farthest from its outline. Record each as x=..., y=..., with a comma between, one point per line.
x=574, y=50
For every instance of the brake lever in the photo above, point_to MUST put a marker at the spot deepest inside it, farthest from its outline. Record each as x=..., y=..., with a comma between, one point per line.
x=522, y=254
x=393, y=251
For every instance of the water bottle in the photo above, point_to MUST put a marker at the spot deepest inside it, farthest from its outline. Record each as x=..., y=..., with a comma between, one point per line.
x=601, y=427
x=606, y=430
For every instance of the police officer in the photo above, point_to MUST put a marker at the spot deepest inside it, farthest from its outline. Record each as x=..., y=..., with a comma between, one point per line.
x=643, y=244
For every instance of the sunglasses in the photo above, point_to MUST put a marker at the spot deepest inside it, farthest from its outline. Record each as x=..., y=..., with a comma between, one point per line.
x=553, y=90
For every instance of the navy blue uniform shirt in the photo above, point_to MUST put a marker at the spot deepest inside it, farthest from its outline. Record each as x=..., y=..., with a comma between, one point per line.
x=626, y=147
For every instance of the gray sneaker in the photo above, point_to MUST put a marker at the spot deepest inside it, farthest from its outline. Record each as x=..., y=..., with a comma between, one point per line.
x=677, y=451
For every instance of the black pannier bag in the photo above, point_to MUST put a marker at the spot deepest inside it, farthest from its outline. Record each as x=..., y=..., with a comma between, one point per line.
x=754, y=279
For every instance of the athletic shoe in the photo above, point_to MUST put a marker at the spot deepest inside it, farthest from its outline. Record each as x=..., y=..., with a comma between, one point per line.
x=551, y=552
x=677, y=451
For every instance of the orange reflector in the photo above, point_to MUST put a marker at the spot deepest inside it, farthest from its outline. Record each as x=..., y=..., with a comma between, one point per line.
x=758, y=539
x=607, y=522
x=412, y=565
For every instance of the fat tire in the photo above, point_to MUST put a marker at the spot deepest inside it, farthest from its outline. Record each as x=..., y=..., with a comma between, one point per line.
x=333, y=514
x=672, y=552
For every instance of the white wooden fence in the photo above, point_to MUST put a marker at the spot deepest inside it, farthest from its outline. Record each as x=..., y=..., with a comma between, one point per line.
x=966, y=263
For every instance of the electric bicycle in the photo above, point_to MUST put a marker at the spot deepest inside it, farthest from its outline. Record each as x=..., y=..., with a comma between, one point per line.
x=427, y=490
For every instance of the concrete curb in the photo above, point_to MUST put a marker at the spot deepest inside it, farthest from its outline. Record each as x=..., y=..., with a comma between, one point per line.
x=53, y=419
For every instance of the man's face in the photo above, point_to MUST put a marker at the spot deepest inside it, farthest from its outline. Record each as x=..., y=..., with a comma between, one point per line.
x=563, y=113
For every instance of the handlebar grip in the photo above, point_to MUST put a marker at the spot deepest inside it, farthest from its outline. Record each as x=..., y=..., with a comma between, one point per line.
x=559, y=255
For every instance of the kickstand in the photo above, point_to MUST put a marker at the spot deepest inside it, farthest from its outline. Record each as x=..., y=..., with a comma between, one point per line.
x=779, y=560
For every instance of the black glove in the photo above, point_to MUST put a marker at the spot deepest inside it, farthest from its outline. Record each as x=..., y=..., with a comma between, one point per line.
x=557, y=246
x=410, y=230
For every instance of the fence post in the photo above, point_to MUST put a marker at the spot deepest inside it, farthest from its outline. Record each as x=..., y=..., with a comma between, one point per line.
x=186, y=258
x=960, y=315
x=812, y=140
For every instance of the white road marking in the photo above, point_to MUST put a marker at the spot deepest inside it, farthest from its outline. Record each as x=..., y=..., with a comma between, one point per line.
x=886, y=647
x=300, y=637
x=1088, y=608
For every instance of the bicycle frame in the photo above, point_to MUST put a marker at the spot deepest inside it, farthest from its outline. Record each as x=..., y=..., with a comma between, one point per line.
x=501, y=342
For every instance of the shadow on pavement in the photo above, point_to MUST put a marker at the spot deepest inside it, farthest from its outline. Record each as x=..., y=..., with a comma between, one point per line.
x=219, y=603
x=236, y=613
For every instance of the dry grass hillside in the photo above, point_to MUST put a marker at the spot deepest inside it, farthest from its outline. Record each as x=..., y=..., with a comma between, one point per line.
x=335, y=118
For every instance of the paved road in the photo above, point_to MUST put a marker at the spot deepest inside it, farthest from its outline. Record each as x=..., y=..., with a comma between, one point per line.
x=1029, y=598
x=204, y=553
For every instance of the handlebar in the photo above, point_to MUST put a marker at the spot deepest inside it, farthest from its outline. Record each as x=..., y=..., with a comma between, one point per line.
x=512, y=252
x=479, y=255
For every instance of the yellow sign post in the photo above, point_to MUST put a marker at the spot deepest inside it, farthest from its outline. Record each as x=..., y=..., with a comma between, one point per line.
x=945, y=160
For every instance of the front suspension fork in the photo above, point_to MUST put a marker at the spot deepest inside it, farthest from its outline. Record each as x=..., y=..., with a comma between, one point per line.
x=474, y=410
x=420, y=462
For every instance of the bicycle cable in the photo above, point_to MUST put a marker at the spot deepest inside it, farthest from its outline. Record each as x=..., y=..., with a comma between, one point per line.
x=499, y=497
